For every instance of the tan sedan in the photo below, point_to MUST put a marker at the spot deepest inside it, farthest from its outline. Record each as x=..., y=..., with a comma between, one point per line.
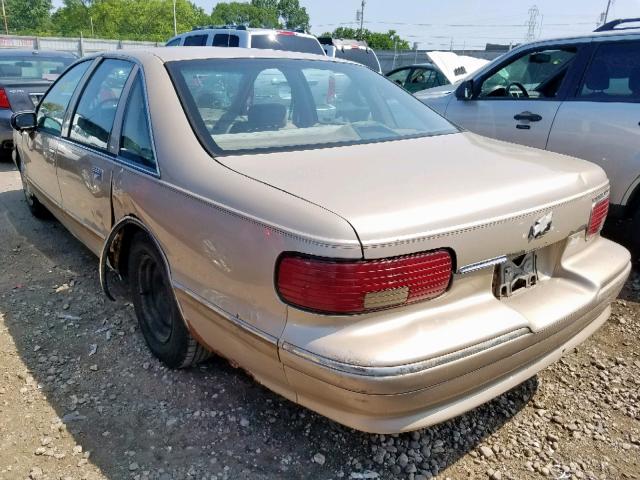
x=310, y=220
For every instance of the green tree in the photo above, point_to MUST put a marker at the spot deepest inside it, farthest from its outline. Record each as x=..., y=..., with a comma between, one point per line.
x=293, y=15
x=33, y=16
x=237, y=13
x=126, y=19
x=376, y=40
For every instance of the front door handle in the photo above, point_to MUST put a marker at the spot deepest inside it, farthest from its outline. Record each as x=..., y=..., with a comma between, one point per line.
x=532, y=117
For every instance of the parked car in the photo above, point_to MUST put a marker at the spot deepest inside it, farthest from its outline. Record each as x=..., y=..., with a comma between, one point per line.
x=577, y=95
x=354, y=50
x=443, y=68
x=379, y=267
x=24, y=76
x=244, y=37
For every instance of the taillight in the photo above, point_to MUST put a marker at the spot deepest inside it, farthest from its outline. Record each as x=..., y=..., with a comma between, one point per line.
x=337, y=286
x=4, y=100
x=599, y=211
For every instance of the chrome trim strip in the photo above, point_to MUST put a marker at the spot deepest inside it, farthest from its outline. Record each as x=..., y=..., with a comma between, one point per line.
x=459, y=230
x=409, y=368
x=234, y=319
x=473, y=267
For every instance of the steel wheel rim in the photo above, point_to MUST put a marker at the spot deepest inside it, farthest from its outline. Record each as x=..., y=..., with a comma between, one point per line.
x=155, y=299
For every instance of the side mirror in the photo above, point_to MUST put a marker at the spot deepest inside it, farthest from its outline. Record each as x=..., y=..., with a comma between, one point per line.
x=22, y=121
x=465, y=90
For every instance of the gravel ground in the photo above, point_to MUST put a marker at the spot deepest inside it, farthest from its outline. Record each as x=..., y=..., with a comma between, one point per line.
x=82, y=398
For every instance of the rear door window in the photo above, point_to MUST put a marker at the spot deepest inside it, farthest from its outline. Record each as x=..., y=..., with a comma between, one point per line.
x=135, y=140
x=225, y=40
x=96, y=110
x=614, y=74
x=287, y=41
x=195, y=40
x=421, y=79
x=54, y=104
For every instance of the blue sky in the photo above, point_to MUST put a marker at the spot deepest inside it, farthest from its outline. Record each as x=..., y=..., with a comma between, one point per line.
x=466, y=23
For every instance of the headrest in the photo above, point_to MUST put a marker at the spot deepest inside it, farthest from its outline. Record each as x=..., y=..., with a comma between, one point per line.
x=598, y=76
x=267, y=116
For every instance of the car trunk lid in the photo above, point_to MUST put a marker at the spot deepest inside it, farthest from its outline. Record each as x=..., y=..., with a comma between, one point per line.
x=475, y=195
x=24, y=95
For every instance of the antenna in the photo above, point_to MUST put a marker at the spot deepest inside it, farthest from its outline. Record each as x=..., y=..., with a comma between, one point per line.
x=604, y=15
x=532, y=23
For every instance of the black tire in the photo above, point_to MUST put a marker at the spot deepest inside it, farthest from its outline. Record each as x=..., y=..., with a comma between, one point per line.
x=36, y=208
x=155, y=305
x=634, y=236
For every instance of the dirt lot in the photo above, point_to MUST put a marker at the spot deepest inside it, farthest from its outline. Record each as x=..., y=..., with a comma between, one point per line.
x=82, y=398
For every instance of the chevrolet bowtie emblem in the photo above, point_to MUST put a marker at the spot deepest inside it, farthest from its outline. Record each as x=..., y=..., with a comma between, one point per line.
x=541, y=226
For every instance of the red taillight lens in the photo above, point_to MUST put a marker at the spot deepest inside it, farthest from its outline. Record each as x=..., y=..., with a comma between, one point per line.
x=599, y=212
x=335, y=286
x=4, y=100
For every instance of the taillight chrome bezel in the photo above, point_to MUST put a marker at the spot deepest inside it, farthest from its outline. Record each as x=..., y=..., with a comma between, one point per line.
x=372, y=300
x=599, y=204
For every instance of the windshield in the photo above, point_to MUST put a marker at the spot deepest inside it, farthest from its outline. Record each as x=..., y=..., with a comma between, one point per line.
x=249, y=105
x=359, y=55
x=33, y=68
x=287, y=41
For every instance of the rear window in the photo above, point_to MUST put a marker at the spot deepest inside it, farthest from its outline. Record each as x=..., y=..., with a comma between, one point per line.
x=359, y=55
x=225, y=40
x=195, y=41
x=262, y=105
x=33, y=67
x=287, y=41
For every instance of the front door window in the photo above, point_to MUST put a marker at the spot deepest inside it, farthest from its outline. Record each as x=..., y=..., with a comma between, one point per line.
x=534, y=75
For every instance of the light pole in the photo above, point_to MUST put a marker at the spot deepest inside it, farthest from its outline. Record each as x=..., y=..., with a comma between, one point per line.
x=175, y=21
x=4, y=15
x=362, y=18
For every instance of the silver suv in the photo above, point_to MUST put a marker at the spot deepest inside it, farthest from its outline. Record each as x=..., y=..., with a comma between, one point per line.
x=579, y=96
x=244, y=37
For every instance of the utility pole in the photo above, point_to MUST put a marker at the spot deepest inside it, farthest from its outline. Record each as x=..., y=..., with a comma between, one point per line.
x=175, y=20
x=4, y=15
x=92, y=32
x=532, y=23
x=604, y=15
x=360, y=16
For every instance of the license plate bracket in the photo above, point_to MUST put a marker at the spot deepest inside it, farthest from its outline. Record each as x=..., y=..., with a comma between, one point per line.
x=516, y=273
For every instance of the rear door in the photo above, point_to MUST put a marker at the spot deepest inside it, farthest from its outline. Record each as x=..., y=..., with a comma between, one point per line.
x=600, y=122
x=518, y=99
x=86, y=155
x=39, y=147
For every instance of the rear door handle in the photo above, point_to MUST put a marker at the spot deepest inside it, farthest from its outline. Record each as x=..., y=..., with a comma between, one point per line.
x=532, y=117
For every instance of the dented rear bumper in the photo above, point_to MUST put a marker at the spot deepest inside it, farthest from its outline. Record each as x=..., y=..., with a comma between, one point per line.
x=413, y=367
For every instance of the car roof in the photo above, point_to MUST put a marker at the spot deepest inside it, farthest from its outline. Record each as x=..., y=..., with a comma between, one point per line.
x=17, y=52
x=414, y=65
x=627, y=32
x=170, y=54
x=232, y=29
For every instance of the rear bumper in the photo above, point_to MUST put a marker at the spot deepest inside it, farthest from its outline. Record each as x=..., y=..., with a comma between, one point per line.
x=6, y=132
x=546, y=321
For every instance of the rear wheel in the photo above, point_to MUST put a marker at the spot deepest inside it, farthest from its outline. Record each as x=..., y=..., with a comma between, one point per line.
x=36, y=208
x=158, y=315
x=634, y=241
